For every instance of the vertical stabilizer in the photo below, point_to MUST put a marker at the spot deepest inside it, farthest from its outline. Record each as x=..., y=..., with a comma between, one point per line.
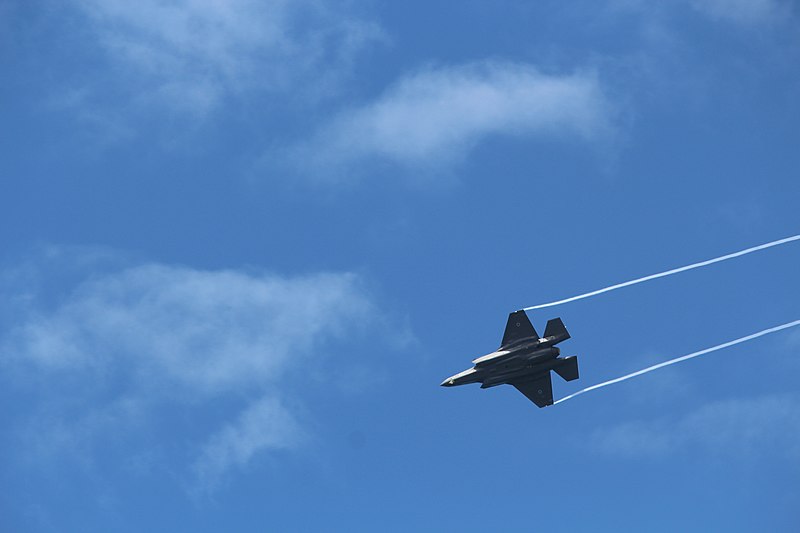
x=555, y=331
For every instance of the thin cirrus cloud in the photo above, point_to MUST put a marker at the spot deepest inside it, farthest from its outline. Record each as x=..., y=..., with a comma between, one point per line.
x=123, y=346
x=745, y=12
x=265, y=425
x=190, y=54
x=745, y=427
x=741, y=13
x=435, y=117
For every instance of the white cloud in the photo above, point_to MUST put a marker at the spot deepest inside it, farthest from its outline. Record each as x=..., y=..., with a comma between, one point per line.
x=122, y=345
x=748, y=12
x=191, y=53
x=206, y=330
x=265, y=425
x=747, y=427
x=436, y=116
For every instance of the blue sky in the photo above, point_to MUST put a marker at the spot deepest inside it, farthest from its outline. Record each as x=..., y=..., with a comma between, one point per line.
x=243, y=242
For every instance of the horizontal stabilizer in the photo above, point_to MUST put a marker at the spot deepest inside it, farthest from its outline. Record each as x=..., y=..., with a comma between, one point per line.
x=518, y=328
x=567, y=368
x=555, y=331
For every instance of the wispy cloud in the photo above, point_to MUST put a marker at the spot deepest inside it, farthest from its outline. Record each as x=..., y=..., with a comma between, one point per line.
x=264, y=425
x=746, y=12
x=207, y=330
x=123, y=344
x=433, y=118
x=192, y=53
x=747, y=427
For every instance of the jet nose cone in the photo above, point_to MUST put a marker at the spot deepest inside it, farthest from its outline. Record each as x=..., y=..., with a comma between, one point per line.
x=447, y=383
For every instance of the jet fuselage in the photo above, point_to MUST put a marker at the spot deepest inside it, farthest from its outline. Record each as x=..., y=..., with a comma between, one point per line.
x=510, y=363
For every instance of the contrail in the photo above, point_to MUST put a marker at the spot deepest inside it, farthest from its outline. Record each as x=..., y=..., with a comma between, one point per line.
x=682, y=358
x=668, y=272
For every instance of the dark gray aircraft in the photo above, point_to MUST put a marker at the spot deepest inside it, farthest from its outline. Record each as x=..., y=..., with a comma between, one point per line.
x=523, y=360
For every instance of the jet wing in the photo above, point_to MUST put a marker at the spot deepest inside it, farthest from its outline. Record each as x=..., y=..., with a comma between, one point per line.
x=539, y=390
x=518, y=328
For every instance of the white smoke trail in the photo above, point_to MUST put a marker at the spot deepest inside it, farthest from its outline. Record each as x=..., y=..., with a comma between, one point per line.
x=668, y=272
x=682, y=358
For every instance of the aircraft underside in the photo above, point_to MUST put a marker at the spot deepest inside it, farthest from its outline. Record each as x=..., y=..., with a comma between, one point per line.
x=524, y=361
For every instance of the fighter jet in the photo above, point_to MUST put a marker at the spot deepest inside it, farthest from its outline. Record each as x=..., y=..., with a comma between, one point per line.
x=523, y=360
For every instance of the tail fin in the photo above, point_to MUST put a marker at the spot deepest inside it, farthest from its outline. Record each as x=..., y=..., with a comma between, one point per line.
x=568, y=368
x=555, y=329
